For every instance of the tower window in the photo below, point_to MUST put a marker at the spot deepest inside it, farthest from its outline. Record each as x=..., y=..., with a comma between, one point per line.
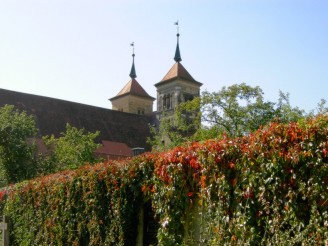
x=188, y=97
x=141, y=111
x=167, y=101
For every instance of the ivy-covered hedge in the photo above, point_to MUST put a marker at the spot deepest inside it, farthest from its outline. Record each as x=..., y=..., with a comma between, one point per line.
x=266, y=188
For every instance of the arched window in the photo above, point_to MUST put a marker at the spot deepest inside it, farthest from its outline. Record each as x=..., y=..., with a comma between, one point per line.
x=167, y=101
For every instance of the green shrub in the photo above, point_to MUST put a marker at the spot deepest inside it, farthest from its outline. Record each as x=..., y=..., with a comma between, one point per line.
x=267, y=188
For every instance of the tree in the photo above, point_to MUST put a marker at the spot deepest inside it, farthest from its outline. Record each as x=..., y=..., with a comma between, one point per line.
x=74, y=148
x=177, y=129
x=165, y=136
x=17, y=159
x=321, y=108
x=284, y=112
x=235, y=111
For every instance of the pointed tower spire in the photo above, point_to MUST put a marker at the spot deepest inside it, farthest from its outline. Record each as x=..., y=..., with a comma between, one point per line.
x=177, y=56
x=133, y=74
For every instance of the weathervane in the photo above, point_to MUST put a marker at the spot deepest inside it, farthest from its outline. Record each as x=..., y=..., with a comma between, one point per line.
x=177, y=56
x=133, y=74
x=177, y=24
x=132, y=44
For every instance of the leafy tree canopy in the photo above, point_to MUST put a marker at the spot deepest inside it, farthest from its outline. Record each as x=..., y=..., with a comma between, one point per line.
x=235, y=111
x=74, y=148
x=17, y=159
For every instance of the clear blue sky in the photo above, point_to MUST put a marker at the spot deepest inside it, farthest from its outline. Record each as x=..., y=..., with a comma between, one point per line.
x=80, y=50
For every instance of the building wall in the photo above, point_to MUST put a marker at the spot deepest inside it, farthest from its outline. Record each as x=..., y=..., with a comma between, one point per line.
x=171, y=94
x=52, y=115
x=133, y=104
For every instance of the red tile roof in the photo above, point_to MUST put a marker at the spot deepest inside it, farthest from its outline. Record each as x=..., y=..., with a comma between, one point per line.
x=178, y=71
x=133, y=88
x=114, y=148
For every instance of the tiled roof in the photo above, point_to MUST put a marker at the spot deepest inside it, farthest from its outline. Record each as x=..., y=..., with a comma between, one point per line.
x=133, y=88
x=178, y=71
x=52, y=114
x=114, y=148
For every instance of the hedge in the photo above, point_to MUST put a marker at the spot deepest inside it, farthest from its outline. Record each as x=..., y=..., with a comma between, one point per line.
x=267, y=188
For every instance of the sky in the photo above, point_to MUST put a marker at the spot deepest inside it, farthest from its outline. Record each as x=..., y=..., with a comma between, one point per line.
x=79, y=50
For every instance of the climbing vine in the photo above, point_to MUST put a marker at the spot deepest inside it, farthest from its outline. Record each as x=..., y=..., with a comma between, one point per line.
x=267, y=187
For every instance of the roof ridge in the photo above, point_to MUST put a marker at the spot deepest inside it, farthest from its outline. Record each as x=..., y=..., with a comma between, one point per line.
x=178, y=71
x=133, y=87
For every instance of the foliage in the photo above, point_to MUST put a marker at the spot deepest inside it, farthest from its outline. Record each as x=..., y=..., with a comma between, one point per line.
x=17, y=160
x=169, y=134
x=266, y=188
x=19, y=155
x=74, y=148
x=322, y=108
x=284, y=112
x=235, y=110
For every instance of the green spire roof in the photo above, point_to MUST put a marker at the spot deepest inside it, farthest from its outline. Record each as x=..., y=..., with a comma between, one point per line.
x=133, y=74
x=177, y=56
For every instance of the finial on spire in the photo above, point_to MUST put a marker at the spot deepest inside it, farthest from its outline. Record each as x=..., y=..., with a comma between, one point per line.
x=133, y=74
x=177, y=56
x=177, y=24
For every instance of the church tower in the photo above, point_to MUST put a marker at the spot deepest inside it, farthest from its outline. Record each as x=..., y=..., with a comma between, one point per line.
x=176, y=87
x=133, y=98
